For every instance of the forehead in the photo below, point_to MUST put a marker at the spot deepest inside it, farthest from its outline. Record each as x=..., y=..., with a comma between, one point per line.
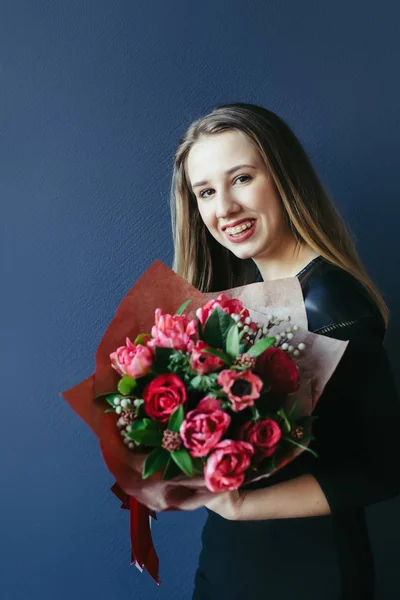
x=214, y=154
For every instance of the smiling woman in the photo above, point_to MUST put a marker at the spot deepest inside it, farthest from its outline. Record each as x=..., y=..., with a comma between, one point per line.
x=239, y=203
x=246, y=205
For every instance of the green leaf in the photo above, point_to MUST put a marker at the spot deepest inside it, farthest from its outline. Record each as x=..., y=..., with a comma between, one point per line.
x=145, y=425
x=222, y=355
x=294, y=411
x=162, y=358
x=198, y=465
x=204, y=383
x=286, y=424
x=171, y=470
x=255, y=414
x=268, y=465
x=217, y=327
x=156, y=460
x=176, y=419
x=104, y=396
x=126, y=385
x=286, y=439
x=109, y=410
x=146, y=437
x=183, y=307
x=232, y=341
x=141, y=339
x=184, y=461
x=260, y=346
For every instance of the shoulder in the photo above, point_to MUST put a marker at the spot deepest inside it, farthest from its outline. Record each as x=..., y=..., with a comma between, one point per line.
x=335, y=300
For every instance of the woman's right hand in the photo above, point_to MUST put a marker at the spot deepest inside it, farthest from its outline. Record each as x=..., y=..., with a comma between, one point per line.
x=126, y=466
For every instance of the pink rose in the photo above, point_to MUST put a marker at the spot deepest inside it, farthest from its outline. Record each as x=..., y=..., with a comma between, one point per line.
x=133, y=360
x=264, y=435
x=227, y=464
x=241, y=387
x=172, y=331
x=202, y=362
x=204, y=427
x=162, y=396
x=230, y=306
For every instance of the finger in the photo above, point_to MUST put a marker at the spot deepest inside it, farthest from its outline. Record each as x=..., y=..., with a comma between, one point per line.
x=193, y=501
x=189, y=482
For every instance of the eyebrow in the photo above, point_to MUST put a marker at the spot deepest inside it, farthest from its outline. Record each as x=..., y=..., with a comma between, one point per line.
x=228, y=172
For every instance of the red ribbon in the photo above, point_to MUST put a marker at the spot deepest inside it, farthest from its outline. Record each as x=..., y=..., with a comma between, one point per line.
x=142, y=547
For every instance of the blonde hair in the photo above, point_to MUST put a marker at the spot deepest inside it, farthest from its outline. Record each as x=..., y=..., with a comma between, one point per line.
x=311, y=215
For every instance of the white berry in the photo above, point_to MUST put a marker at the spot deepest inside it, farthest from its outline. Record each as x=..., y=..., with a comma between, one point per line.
x=131, y=445
x=301, y=346
x=137, y=402
x=124, y=403
x=290, y=349
x=289, y=336
x=118, y=410
x=285, y=346
x=296, y=353
x=116, y=401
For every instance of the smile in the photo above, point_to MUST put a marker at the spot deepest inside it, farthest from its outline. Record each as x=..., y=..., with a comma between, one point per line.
x=241, y=232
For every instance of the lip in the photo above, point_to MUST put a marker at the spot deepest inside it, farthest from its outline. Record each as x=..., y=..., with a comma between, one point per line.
x=235, y=223
x=244, y=236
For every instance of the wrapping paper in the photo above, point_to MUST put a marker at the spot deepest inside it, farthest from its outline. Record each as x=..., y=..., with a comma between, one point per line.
x=160, y=287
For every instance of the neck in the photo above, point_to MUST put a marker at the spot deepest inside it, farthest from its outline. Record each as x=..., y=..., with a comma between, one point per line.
x=287, y=261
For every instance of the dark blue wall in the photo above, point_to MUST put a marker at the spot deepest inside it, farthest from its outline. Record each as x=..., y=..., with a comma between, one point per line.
x=94, y=95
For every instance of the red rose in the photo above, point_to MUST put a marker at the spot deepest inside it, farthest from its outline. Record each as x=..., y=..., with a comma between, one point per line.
x=264, y=435
x=204, y=427
x=162, y=396
x=241, y=387
x=226, y=466
x=279, y=370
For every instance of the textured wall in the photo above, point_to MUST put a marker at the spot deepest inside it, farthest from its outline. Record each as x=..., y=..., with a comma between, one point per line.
x=94, y=96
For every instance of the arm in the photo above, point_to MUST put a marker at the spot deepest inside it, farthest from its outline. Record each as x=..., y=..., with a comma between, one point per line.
x=357, y=442
x=291, y=499
x=364, y=468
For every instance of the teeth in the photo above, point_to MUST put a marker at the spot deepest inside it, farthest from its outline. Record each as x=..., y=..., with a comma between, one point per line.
x=239, y=228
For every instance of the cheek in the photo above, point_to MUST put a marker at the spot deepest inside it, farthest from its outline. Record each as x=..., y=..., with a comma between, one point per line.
x=208, y=217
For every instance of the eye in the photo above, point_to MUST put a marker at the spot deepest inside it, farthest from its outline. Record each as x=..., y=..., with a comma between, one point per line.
x=202, y=194
x=246, y=177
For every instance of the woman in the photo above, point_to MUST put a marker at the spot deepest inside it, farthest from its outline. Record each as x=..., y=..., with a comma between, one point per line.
x=247, y=205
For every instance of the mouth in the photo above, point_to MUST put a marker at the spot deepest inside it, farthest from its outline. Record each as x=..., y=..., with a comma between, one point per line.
x=240, y=232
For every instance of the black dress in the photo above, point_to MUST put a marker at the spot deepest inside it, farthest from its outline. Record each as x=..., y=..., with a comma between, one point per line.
x=326, y=557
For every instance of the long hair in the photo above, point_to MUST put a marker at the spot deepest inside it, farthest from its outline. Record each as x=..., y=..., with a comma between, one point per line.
x=311, y=215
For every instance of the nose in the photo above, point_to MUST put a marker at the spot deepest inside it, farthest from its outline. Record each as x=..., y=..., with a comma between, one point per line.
x=226, y=205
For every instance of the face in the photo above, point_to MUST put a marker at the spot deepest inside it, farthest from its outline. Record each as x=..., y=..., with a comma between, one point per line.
x=235, y=195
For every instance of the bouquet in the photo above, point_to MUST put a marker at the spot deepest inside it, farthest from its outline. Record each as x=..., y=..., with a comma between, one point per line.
x=223, y=386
